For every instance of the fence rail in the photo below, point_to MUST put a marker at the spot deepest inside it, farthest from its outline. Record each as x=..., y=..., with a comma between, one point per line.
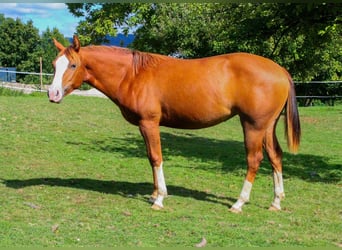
x=26, y=73
x=319, y=82
x=328, y=92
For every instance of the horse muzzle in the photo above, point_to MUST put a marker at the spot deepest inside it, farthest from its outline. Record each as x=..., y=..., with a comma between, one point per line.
x=55, y=95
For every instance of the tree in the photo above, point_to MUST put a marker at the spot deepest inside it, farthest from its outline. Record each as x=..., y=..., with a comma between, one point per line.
x=301, y=37
x=100, y=20
x=47, y=49
x=18, y=41
x=21, y=46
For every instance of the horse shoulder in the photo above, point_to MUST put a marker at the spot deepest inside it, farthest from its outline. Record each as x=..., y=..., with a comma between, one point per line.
x=138, y=99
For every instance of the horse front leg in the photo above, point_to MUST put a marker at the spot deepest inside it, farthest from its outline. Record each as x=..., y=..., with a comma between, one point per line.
x=151, y=134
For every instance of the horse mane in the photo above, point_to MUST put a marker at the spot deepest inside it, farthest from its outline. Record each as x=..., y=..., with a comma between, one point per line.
x=142, y=60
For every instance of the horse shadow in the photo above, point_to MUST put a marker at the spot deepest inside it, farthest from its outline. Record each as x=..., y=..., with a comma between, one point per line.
x=122, y=188
x=200, y=152
x=222, y=155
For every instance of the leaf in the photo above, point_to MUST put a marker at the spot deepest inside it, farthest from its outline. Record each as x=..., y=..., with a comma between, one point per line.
x=34, y=206
x=127, y=213
x=203, y=243
x=55, y=228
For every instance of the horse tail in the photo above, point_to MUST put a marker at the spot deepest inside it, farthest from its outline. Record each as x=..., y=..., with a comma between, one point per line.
x=292, y=123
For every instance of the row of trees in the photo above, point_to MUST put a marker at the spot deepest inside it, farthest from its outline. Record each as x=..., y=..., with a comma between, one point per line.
x=304, y=38
x=21, y=46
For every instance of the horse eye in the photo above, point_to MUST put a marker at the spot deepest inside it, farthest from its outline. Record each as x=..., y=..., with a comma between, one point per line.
x=73, y=66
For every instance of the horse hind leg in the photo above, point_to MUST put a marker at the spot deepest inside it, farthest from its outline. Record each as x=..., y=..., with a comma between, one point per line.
x=254, y=153
x=275, y=154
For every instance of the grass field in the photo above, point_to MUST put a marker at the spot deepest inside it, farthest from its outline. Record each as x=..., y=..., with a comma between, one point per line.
x=76, y=174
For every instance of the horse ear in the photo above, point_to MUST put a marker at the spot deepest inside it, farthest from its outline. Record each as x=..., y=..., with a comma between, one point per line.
x=58, y=45
x=76, y=43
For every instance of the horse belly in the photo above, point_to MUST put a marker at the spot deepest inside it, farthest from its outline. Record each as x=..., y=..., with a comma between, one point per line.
x=196, y=100
x=195, y=116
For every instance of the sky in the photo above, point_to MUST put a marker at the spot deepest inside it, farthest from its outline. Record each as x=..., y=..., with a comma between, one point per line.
x=43, y=15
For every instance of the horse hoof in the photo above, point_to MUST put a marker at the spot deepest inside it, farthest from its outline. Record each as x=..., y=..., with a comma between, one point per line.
x=156, y=207
x=274, y=209
x=235, y=210
x=152, y=200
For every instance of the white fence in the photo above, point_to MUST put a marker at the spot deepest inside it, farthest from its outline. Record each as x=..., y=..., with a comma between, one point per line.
x=24, y=87
x=26, y=73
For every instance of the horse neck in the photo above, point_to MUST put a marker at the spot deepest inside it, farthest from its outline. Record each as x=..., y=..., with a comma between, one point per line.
x=106, y=68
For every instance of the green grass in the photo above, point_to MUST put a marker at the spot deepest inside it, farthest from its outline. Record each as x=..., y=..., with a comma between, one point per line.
x=76, y=174
x=10, y=92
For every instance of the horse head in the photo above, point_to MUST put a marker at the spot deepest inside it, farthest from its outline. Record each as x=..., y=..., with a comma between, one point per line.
x=69, y=71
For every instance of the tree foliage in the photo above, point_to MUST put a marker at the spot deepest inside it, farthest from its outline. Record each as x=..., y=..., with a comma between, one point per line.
x=47, y=48
x=21, y=46
x=17, y=42
x=304, y=38
x=100, y=20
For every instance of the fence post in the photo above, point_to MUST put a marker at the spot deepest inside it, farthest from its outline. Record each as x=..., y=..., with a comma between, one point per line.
x=41, y=73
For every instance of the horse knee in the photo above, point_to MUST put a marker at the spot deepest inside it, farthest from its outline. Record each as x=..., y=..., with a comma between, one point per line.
x=253, y=164
x=254, y=160
x=259, y=157
x=155, y=160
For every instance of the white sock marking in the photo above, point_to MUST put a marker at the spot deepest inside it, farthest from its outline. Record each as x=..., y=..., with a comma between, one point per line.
x=244, y=195
x=278, y=189
x=162, y=191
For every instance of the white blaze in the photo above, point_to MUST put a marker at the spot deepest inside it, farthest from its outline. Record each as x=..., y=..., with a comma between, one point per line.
x=61, y=66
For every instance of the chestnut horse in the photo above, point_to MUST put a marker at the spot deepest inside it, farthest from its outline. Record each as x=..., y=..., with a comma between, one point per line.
x=153, y=90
